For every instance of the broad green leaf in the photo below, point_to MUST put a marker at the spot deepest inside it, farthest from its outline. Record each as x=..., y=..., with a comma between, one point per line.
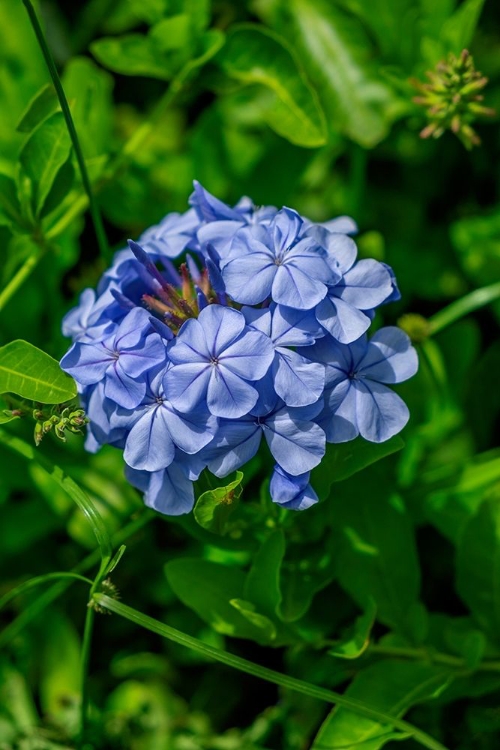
x=478, y=566
x=60, y=187
x=375, y=550
x=390, y=686
x=43, y=154
x=44, y=104
x=335, y=52
x=30, y=373
x=342, y=460
x=214, y=507
x=458, y=30
x=66, y=482
x=357, y=639
x=172, y=33
x=208, y=588
x=60, y=665
x=262, y=585
x=301, y=580
x=255, y=55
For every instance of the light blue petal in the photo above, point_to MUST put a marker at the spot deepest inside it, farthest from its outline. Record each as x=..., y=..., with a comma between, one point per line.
x=367, y=284
x=221, y=327
x=170, y=491
x=380, y=412
x=122, y=389
x=250, y=356
x=235, y=444
x=190, y=345
x=228, y=395
x=186, y=385
x=342, y=321
x=294, y=288
x=298, y=381
x=390, y=357
x=297, y=446
x=149, y=445
x=249, y=279
x=87, y=363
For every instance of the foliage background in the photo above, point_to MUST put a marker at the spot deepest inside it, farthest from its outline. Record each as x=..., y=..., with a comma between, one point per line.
x=399, y=568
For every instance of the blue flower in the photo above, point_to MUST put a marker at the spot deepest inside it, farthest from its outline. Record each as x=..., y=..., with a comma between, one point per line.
x=277, y=263
x=171, y=490
x=344, y=312
x=85, y=322
x=295, y=441
x=294, y=493
x=357, y=400
x=213, y=359
x=293, y=377
x=120, y=360
x=155, y=429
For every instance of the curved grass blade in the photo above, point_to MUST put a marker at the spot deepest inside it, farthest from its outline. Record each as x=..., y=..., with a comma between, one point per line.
x=292, y=683
x=38, y=581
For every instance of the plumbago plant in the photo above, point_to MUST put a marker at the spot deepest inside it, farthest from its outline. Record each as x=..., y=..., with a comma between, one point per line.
x=268, y=459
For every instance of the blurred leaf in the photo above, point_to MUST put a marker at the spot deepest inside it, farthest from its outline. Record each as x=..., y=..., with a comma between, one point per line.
x=261, y=622
x=254, y=55
x=342, y=460
x=375, y=550
x=23, y=524
x=9, y=201
x=43, y=154
x=478, y=566
x=262, y=585
x=458, y=30
x=357, y=640
x=33, y=374
x=214, y=507
x=74, y=491
x=301, y=580
x=208, y=588
x=5, y=418
x=16, y=698
x=89, y=88
x=132, y=55
x=60, y=665
x=44, y=104
x=390, y=686
x=335, y=52
x=172, y=33
x=60, y=187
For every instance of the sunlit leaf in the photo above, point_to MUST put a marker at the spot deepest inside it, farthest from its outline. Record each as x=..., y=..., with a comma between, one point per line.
x=30, y=373
x=43, y=105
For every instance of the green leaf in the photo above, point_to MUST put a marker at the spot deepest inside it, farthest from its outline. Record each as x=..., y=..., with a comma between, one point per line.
x=133, y=55
x=60, y=187
x=73, y=490
x=89, y=89
x=44, y=104
x=208, y=588
x=374, y=543
x=264, y=624
x=342, y=460
x=43, y=154
x=356, y=641
x=336, y=54
x=478, y=566
x=262, y=585
x=59, y=665
x=458, y=30
x=214, y=507
x=5, y=418
x=301, y=580
x=390, y=686
x=30, y=373
x=254, y=55
x=9, y=201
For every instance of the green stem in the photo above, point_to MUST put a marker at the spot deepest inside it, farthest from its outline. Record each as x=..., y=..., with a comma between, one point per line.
x=277, y=678
x=44, y=600
x=19, y=278
x=94, y=209
x=473, y=301
x=422, y=654
x=120, y=160
x=38, y=581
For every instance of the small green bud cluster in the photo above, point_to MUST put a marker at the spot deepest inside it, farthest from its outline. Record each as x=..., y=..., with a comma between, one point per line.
x=416, y=326
x=60, y=419
x=452, y=98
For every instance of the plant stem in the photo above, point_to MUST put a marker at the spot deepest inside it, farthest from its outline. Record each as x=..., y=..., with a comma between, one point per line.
x=86, y=651
x=19, y=278
x=94, y=209
x=423, y=654
x=45, y=599
x=473, y=301
x=277, y=678
x=38, y=581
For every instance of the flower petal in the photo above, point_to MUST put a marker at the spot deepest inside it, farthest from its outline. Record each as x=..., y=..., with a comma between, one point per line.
x=294, y=288
x=390, y=357
x=342, y=321
x=190, y=345
x=234, y=445
x=367, y=284
x=221, y=326
x=250, y=356
x=298, y=381
x=122, y=389
x=228, y=395
x=380, y=412
x=297, y=446
x=149, y=445
x=249, y=279
x=186, y=385
x=170, y=491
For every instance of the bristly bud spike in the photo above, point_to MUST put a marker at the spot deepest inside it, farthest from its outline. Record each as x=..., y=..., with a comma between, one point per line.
x=451, y=97
x=186, y=286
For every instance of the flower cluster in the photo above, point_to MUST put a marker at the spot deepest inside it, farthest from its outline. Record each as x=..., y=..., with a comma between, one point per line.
x=259, y=333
